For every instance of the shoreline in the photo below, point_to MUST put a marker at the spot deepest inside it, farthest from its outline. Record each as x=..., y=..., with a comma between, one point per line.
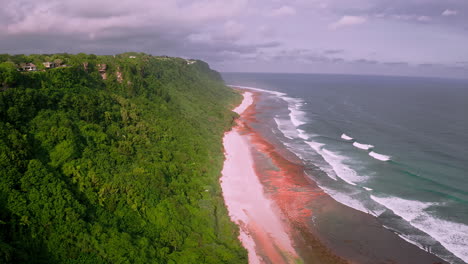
x=320, y=229
x=262, y=231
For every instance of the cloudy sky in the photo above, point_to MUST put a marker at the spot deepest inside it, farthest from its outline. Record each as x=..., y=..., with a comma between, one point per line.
x=392, y=37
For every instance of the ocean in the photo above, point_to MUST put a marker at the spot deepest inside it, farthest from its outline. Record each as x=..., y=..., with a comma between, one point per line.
x=393, y=147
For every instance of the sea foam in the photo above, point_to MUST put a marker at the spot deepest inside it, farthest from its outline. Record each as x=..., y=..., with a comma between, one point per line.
x=286, y=127
x=346, y=137
x=302, y=134
x=362, y=146
x=258, y=89
x=345, y=199
x=336, y=161
x=379, y=156
x=453, y=236
x=296, y=115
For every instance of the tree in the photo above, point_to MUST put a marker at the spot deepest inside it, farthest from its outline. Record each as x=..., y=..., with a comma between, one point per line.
x=97, y=171
x=8, y=75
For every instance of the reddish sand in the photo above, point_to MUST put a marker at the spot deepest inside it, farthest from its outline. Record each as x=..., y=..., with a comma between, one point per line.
x=262, y=231
x=286, y=184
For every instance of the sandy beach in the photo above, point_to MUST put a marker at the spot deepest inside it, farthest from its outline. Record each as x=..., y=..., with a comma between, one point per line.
x=284, y=217
x=262, y=231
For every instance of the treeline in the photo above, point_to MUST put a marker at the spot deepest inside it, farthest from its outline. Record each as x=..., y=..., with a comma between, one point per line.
x=114, y=166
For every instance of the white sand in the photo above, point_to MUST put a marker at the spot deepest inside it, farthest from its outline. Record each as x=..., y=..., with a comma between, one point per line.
x=248, y=100
x=244, y=197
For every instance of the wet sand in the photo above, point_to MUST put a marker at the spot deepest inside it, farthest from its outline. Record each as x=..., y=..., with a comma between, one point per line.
x=303, y=222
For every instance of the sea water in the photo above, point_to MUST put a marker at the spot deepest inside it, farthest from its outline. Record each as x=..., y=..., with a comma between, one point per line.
x=394, y=147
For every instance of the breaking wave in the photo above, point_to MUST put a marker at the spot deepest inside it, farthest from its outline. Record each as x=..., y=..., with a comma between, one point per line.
x=379, y=156
x=346, y=137
x=362, y=146
x=453, y=236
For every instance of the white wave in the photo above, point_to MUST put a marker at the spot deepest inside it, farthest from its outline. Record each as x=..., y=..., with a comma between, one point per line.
x=302, y=134
x=288, y=130
x=408, y=240
x=379, y=156
x=257, y=89
x=407, y=209
x=453, y=236
x=317, y=147
x=337, y=163
x=367, y=188
x=345, y=199
x=296, y=115
x=362, y=146
x=349, y=201
x=346, y=137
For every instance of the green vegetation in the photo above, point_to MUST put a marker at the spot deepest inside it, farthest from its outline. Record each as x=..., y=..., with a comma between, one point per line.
x=117, y=166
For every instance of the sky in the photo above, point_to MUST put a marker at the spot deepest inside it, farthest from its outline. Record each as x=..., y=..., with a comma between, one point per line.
x=385, y=37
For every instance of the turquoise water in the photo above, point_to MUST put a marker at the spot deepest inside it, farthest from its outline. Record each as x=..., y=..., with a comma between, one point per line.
x=394, y=147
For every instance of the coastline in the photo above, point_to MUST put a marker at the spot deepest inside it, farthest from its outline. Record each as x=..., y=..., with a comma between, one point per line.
x=262, y=231
x=315, y=223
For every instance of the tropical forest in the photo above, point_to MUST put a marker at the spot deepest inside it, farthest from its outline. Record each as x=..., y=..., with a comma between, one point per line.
x=113, y=159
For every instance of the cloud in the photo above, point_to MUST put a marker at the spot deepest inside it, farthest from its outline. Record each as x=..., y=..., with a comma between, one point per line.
x=365, y=61
x=200, y=38
x=233, y=30
x=348, y=21
x=424, y=19
x=92, y=17
x=105, y=27
x=398, y=63
x=333, y=51
x=449, y=12
x=265, y=31
x=403, y=10
x=426, y=65
x=283, y=11
x=412, y=18
x=222, y=31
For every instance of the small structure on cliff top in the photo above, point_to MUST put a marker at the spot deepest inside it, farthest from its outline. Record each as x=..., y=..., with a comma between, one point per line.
x=28, y=67
x=49, y=65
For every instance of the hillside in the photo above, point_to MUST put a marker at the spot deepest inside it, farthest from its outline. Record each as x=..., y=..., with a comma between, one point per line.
x=113, y=159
